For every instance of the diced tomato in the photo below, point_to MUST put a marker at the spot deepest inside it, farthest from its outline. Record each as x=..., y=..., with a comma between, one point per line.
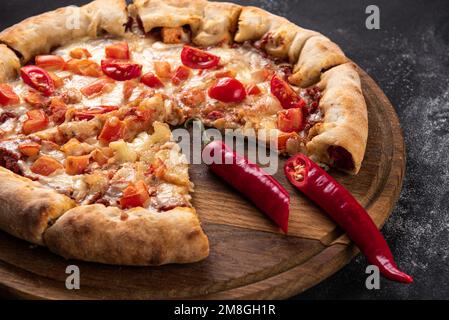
x=57, y=110
x=90, y=113
x=181, y=74
x=120, y=70
x=80, y=53
x=253, y=90
x=98, y=87
x=291, y=120
x=284, y=137
x=7, y=96
x=58, y=81
x=37, y=121
x=84, y=67
x=135, y=195
x=76, y=164
x=30, y=149
x=36, y=99
x=151, y=80
x=38, y=79
x=118, y=50
x=45, y=166
x=285, y=94
x=113, y=130
x=228, y=90
x=128, y=88
x=198, y=59
x=50, y=62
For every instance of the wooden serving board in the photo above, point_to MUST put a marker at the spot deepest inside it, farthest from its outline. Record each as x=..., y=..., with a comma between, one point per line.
x=249, y=257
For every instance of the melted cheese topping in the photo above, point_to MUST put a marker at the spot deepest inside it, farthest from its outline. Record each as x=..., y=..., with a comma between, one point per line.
x=172, y=186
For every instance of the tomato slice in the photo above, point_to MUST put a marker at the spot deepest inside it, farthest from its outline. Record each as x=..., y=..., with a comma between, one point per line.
x=120, y=70
x=291, y=120
x=45, y=166
x=97, y=87
x=84, y=67
x=253, y=90
x=7, y=95
x=152, y=81
x=37, y=121
x=227, y=90
x=38, y=79
x=198, y=59
x=90, y=113
x=135, y=195
x=113, y=130
x=285, y=94
x=80, y=53
x=181, y=74
x=118, y=51
x=30, y=149
x=50, y=62
x=76, y=164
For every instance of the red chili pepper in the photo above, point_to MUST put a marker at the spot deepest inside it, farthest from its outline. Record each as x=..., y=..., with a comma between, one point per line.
x=251, y=181
x=121, y=70
x=344, y=209
x=228, y=90
x=38, y=79
x=198, y=59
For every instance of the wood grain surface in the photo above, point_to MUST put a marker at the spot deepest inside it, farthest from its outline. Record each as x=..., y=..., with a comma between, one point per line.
x=250, y=257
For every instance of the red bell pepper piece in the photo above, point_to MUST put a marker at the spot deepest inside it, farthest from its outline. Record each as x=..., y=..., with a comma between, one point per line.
x=344, y=209
x=251, y=181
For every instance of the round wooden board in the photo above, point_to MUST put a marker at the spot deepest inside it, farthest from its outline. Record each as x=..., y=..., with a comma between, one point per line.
x=250, y=258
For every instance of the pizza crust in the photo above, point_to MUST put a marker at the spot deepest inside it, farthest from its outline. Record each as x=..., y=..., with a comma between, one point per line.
x=169, y=13
x=42, y=33
x=279, y=37
x=9, y=64
x=218, y=24
x=318, y=55
x=136, y=237
x=27, y=208
x=345, y=116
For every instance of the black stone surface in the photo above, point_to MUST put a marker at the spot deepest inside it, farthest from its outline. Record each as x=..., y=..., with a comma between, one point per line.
x=409, y=58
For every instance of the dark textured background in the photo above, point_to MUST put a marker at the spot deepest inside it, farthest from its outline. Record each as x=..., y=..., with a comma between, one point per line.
x=409, y=58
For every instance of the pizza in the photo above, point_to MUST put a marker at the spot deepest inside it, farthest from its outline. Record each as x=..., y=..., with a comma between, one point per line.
x=89, y=95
